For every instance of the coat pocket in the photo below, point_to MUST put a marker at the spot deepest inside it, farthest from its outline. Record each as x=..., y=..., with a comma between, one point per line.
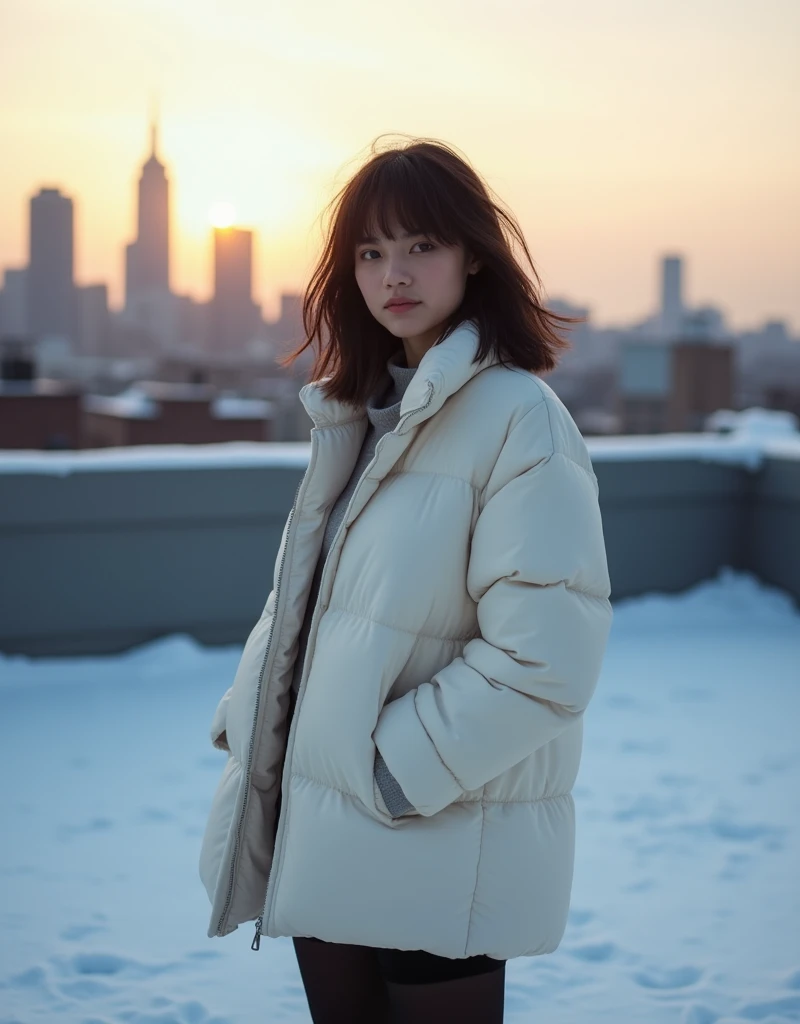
x=382, y=813
x=380, y=804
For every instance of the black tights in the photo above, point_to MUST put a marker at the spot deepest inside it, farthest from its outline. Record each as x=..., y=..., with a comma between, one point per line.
x=347, y=984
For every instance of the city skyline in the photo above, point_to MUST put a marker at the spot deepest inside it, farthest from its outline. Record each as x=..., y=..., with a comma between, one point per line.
x=148, y=293
x=271, y=109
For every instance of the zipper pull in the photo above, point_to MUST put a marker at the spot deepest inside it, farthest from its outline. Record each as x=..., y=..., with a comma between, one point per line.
x=257, y=938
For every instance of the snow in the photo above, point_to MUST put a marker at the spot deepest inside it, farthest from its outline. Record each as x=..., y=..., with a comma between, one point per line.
x=233, y=407
x=739, y=438
x=685, y=900
x=728, y=448
x=130, y=404
x=754, y=421
x=734, y=448
x=783, y=448
x=225, y=455
x=138, y=402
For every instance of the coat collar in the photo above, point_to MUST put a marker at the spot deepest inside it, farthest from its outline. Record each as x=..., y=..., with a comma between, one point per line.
x=443, y=369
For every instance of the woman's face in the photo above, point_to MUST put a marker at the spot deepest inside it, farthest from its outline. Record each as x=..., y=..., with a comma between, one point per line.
x=429, y=274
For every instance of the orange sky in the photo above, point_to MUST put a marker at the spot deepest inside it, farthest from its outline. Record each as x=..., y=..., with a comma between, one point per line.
x=616, y=131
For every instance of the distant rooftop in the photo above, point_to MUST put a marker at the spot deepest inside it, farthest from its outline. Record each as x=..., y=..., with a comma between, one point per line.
x=141, y=401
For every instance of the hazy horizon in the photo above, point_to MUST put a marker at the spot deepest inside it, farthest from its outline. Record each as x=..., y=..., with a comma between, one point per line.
x=617, y=133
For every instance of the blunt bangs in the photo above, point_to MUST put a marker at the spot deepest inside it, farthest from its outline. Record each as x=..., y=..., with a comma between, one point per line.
x=395, y=190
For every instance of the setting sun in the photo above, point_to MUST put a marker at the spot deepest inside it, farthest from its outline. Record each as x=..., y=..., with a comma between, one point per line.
x=222, y=215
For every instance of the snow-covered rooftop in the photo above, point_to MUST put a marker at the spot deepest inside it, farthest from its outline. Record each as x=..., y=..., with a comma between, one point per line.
x=141, y=401
x=685, y=900
x=130, y=404
x=235, y=407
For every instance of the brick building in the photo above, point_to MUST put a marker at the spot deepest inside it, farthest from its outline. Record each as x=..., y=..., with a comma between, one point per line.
x=154, y=412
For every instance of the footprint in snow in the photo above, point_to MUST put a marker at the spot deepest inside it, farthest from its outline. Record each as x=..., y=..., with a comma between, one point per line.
x=95, y=825
x=594, y=952
x=86, y=988
x=641, y=886
x=782, y=1008
x=155, y=814
x=698, y=1014
x=622, y=700
x=776, y=762
x=649, y=807
x=668, y=978
x=579, y=917
x=657, y=746
x=677, y=780
x=76, y=932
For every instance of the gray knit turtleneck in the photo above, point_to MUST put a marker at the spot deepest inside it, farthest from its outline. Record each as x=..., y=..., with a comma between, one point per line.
x=383, y=413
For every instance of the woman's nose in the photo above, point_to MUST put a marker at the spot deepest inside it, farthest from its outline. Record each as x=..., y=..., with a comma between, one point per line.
x=396, y=273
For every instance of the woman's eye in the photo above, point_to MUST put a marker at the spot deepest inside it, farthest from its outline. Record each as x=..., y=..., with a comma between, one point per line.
x=365, y=255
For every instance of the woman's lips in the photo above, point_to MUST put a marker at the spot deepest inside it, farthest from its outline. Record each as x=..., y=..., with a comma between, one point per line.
x=402, y=307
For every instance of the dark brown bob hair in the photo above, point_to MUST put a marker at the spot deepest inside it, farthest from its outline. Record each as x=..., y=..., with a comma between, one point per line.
x=427, y=188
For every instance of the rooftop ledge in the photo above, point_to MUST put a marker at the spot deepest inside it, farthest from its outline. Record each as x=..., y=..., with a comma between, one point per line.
x=102, y=550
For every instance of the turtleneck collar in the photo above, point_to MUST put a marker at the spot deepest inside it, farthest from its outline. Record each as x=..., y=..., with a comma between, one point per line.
x=443, y=369
x=383, y=406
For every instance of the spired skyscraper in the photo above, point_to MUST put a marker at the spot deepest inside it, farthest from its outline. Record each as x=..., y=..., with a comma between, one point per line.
x=149, y=304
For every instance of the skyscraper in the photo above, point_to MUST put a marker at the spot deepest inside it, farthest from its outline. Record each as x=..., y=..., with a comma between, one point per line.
x=93, y=319
x=147, y=266
x=233, y=314
x=50, y=288
x=14, y=312
x=148, y=301
x=671, y=295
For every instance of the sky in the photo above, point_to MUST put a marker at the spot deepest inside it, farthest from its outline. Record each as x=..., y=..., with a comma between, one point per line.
x=617, y=131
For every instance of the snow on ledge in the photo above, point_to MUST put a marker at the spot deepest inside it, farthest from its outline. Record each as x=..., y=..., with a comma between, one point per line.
x=737, y=438
x=226, y=455
x=730, y=448
x=740, y=438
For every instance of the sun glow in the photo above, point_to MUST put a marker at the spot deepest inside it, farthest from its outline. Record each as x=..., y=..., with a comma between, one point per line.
x=222, y=215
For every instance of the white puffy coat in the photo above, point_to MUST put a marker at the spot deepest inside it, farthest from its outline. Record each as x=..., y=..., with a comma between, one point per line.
x=462, y=618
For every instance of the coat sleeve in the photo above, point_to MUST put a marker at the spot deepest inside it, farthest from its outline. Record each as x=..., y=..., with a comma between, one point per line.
x=537, y=570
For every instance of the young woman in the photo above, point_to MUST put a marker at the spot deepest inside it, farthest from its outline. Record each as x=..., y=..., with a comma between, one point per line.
x=404, y=728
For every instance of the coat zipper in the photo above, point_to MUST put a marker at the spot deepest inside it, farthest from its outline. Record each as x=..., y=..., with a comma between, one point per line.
x=256, y=943
x=255, y=718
